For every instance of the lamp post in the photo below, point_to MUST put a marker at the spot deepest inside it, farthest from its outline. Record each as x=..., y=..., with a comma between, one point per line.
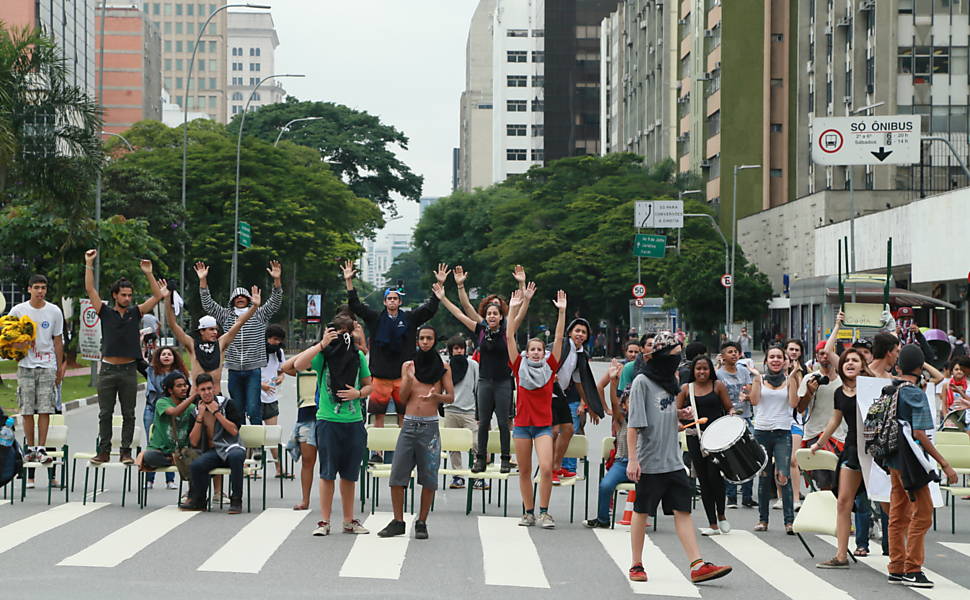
x=121, y=137
x=726, y=252
x=734, y=241
x=287, y=127
x=242, y=122
x=680, y=196
x=185, y=120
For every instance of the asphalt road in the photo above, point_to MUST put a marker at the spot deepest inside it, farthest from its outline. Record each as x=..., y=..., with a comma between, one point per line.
x=103, y=550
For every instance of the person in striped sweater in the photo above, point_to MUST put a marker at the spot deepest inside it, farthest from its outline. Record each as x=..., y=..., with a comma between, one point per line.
x=246, y=355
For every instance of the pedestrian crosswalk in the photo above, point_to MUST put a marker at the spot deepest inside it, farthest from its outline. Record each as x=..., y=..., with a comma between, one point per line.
x=504, y=556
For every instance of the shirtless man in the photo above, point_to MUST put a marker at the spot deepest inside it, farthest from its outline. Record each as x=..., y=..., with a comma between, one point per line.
x=206, y=352
x=425, y=383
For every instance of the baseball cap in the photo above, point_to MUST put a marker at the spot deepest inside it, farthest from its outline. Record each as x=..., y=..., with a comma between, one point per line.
x=904, y=311
x=862, y=343
x=207, y=322
x=820, y=345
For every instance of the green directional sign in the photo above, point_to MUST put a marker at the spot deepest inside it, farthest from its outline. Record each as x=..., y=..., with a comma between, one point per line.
x=245, y=234
x=649, y=246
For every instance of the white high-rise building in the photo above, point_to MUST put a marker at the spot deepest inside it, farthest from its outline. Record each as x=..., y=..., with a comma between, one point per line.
x=252, y=56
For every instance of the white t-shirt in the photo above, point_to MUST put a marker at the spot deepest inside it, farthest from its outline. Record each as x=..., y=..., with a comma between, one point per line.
x=268, y=374
x=50, y=322
x=773, y=410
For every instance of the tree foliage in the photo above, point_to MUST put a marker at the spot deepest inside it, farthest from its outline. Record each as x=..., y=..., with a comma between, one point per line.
x=359, y=148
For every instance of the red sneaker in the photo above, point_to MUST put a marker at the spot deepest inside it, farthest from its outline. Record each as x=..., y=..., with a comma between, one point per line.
x=555, y=478
x=708, y=571
x=637, y=573
x=566, y=474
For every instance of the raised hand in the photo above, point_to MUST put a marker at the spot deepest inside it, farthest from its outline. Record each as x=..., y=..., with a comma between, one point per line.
x=615, y=368
x=202, y=270
x=840, y=318
x=438, y=290
x=328, y=336
x=515, y=299
x=163, y=289
x=519, y=274
x=89, y=256
x=275, y=269
x=460, y=275
x=441, y=273
x=257, y=296
x=348, y=270
x=560, y=301
x=146, y=266
x=529, y=291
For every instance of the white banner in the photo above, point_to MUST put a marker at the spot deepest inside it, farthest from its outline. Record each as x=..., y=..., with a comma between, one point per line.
x=89, y=336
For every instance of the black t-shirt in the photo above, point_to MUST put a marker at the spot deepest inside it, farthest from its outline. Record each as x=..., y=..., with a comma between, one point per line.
x=709, y=405
x=207, y=353
x=119, y=332
x=494, y=353
x=847, y=405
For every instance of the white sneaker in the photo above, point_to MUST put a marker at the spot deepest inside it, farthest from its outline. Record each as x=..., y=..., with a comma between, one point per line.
x=708, y=531
x=724, y=526
x=171, y=485
x=546, y=521
x=527, y=520
x=777, y=505
x=30, y=484
x=323, y=528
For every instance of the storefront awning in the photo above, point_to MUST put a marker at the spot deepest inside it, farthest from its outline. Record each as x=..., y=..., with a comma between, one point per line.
x=897, y=297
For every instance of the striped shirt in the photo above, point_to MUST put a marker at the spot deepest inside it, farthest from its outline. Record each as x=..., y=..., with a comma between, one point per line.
x=248, y=350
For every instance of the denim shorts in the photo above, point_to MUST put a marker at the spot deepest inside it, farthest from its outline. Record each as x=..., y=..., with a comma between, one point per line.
x=797, y=430
x=530, y=432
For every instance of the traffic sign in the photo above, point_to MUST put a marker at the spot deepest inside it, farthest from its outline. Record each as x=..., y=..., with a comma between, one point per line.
x=727, y=280
x=640, y=302
x=245, y=234
x=658, y=213
x=89, y=337
x=639, y=290
x=649, y=246
x=886, y=140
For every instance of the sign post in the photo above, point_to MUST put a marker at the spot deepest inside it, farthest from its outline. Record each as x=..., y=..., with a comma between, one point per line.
x=245, y=234
x=89, y=338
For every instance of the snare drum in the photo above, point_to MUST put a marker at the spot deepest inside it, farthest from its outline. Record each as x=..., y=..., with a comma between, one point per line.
x=732, y=447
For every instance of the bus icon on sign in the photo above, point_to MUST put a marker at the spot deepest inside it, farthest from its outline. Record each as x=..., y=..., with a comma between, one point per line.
x=831, y=141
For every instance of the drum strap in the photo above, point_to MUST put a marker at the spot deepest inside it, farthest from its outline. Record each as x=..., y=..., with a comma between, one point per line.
x=693, y=406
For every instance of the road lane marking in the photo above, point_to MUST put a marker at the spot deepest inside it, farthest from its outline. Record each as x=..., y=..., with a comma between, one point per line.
x=778, y=569
x=255, y=543
x=20, y=531
x=510, y=556
x=373, y=557
x=943, y=589
x=958, y=546
x=665, y=579
x=128, y=541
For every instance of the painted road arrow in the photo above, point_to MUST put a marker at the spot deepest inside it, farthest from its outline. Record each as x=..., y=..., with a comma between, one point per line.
x=882, y=154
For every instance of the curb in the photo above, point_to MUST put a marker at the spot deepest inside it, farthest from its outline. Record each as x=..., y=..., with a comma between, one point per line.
x=82, y=402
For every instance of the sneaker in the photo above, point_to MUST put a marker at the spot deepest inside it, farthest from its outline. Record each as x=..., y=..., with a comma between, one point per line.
x=40, y=455
x=709, y=531
x=777, y=505
x=708, y=571
x=895, y=578
x=482, y=484
x=100, y=458
x=637, y=573
x=595, y=524
x=420, y=530
x=917, y=580
x=555, y=478
x=30, y=484
x=566, y=473
x=126, y=458
x=732, y=503
x=375, y=458
x=235, y=506
x=479, y=465
x=354, y=526
x=393, y=528
x=458, y=483
x=527, y=520
x=506, y=465
x=170, y=485
x=749, y=503
x=724, y=526
x=546, y=521
x=323, y=528
x=833, y=563
x=30, y=455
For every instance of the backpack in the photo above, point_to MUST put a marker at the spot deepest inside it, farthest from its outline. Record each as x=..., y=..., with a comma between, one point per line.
x=880, y=429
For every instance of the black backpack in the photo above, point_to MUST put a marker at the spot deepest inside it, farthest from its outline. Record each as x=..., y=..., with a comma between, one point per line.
x=880, y=428
x=11, y=459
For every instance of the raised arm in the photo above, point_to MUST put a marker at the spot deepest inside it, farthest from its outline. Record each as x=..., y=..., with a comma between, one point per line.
x=147, y=306
x=833, y=339
x=227, y=338
x=460, y=276
x=275, y=301
x=518, y=273
x=515, y=300
x=423, y=313
x=516, y=317
x=560, y=304
x=92, y=291
x=221, y=313
x=360, y=309
x=173, y=324
x=464, y=319
x=304, y=359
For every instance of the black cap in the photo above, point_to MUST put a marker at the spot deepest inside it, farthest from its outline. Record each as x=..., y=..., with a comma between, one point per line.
x=862, y=343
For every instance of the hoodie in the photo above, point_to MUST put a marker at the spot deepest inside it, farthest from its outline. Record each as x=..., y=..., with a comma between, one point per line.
x=248, y=350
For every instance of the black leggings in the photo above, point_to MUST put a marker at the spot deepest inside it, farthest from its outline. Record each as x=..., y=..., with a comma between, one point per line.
x=494, y=397
x=711, y=480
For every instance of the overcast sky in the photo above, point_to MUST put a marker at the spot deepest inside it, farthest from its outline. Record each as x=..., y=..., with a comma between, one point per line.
x=401, y=60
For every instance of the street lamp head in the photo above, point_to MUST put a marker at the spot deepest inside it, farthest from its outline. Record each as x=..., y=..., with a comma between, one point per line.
x=743, y=167
x=265, y=6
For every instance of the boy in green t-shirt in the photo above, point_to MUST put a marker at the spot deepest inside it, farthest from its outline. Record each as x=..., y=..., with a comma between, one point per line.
x=343, y=382
x=174, y=408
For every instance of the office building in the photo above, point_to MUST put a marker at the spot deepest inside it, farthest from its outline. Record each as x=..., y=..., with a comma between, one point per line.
x=252, y=51
x=132, y=68
x=475, y=126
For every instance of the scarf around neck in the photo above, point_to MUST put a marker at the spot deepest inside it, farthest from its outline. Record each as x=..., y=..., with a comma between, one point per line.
x=391, y=331
x=428, y=366
x=775, y=379
x=661, y=369
x=459, y=367
x=533, y=375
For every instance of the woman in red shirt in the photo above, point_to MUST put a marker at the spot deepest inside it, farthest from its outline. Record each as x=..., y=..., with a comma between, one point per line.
x=534, y=375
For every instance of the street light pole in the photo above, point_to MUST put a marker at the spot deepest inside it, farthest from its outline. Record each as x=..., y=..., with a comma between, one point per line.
x=734, y=241
x=680, y=196
x=287, y=127
x=723, y=239
x=185, y=120
x=121, y=137
x=242, y=122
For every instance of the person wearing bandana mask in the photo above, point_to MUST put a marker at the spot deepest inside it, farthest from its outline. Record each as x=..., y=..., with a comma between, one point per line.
x=656, y=463
x=270, y=379
x=772, y=429
x=461, y=412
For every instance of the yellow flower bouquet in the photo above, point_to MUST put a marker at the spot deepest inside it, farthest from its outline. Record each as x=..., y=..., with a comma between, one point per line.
x=16, y=336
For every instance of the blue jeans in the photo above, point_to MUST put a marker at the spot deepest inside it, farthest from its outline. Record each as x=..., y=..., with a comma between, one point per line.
x=149, y=417
x=747, y=488
x=244, y=390
x=863, y=520
x=210, y=460
x=777, y=444
x=615, y=476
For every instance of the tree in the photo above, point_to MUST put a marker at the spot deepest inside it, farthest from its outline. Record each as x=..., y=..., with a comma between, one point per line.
x=358, y=147
x=135, y=193
x=407, y=269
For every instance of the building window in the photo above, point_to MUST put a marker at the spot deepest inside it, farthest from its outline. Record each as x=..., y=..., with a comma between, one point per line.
x=517, y=80
x=236, y=81
x=515, y=105
x=587, y=32
x=235, y=109
x=201, y=83
x=256, y=96
x=237, y=96
x=517, y=33
x=538, y=105
x=190, y=28
x=516, y=129
x=538, y=56
x=538, y=33
x=168, y=83
x=168, y=64
x=156, y=8
x=254, y=81
x=201, y=66
x=517, y=56
x=212, y=47
x=516, y=154
x=538, y=154
x=538, y=130
x=178, y=45
x=776, y=127
x=168, y=28
x=213, y=101
x=178, y=83
x=190, y=9
x=179, y=64
x=178, y=9
x=776, y=172
x=212, y=65
x=168, y=46
x=212, y=83
x=234, y=51
x=538, y=81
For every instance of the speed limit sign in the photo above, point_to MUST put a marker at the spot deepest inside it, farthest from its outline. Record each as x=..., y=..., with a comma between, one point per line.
x=639, y=290
x=640, y=302
x=727, y=280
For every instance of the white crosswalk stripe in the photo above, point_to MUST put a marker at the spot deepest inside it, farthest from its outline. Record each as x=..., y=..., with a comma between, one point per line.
x=249, y=549
x=510, y=557
x=128, y=541
x=377, y=558
x=20, y=531
x=665, y=579
x=962, y=548
x=944, y=589
x=782, y=572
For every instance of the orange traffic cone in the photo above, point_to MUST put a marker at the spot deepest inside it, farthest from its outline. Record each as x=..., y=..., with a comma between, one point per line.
x=631, y=496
